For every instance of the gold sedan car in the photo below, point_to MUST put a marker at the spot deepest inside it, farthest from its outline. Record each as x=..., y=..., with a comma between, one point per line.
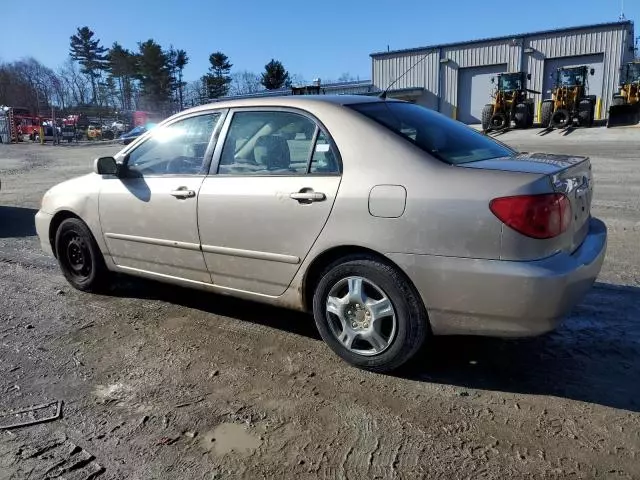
x=389, y=221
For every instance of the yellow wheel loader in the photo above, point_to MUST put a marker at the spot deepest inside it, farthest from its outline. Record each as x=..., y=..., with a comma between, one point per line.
x=625, y=106
x=569, y=104
x=511, y=103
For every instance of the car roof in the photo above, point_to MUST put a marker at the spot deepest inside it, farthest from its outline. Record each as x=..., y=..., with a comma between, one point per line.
x=299, y=101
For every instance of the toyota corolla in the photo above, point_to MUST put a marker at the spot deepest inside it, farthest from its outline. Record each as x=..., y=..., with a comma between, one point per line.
x=388, y=221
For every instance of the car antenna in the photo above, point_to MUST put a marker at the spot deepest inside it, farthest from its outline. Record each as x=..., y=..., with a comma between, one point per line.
x=383, y=95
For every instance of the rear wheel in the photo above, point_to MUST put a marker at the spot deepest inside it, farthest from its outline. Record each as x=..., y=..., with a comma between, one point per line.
x=547, y=112
x=521, y=116
x=369, y=314
x=531, y=115
x=487, y=111
x=585, y=112
x=79, y=256
x=617, y=101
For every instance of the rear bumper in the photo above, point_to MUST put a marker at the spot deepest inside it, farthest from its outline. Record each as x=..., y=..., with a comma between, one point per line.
x=505, y=298
x=43, y=220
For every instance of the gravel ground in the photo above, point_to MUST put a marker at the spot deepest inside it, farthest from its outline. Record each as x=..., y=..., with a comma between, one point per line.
x=163, y=382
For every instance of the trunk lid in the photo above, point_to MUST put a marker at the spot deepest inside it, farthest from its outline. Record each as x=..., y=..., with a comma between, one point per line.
x=570, y=175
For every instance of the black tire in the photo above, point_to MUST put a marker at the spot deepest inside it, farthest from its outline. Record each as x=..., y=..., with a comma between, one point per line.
x=561, y=118
x=521, y=117
x=531, y=115
x=585, y=112
x=617, y=101
x=487, y=112
x=547, y=113
x=79, y=256
x=410, y=329
x=499, y=121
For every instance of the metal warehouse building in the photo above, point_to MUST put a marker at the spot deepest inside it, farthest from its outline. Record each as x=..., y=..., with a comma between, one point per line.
x=455, y=79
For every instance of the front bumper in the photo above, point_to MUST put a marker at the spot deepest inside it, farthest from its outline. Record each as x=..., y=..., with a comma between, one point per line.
x=466, y=296
x=43, y=221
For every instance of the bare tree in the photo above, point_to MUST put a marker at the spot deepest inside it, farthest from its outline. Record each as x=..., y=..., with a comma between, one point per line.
x=245, y=82
x=195, y=93
x=297, y=79
x=28, y=83
x=76, y=85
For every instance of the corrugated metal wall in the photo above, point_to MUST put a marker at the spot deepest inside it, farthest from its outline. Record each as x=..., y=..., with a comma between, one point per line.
x=612, y=42
x=386, y=69
x=438, y=74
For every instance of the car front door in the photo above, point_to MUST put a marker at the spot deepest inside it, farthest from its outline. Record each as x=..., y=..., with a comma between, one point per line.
x=271, y=190
x=148, y=213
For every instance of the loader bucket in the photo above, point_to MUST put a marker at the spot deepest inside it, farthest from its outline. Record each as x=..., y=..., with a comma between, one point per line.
x=620, y=115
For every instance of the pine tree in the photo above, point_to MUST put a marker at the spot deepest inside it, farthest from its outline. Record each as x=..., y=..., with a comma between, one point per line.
x=122, y=66
x=181, y=61
x=275, y=76
x=154, y=74
x=218, y=79
x=90, y=55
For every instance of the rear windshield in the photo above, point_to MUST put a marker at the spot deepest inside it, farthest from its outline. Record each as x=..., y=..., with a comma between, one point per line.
x=445, y=139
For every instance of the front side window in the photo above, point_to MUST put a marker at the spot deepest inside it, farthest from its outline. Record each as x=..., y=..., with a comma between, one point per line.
x=445, y=139
x=267, y=143
x=175, y=149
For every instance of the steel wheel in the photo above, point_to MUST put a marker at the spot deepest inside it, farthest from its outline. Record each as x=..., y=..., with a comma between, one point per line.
x=79, y=257
x=361, y=316
x=76, y=255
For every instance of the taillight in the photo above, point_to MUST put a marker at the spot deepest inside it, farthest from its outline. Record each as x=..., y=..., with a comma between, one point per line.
x=536, y=216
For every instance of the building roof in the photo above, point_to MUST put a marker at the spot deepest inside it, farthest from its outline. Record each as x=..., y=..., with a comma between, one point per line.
x=357, y=86
x=284, y=101
x=504, y=37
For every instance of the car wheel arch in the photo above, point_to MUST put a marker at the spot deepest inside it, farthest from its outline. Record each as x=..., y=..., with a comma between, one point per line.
x=57, y=219
x=332, y=255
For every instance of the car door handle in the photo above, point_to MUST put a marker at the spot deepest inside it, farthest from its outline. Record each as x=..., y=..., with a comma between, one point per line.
x=308, y=197
x=183, y=192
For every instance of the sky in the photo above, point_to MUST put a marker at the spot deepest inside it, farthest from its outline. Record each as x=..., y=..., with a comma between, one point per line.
x=315, y=39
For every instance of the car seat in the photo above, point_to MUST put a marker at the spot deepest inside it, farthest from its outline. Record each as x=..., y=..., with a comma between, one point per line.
x=272, y=151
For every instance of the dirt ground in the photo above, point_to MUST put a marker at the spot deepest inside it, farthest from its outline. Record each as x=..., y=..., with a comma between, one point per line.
x=166, y=383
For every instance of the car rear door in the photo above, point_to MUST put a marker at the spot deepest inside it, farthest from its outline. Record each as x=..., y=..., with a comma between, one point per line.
x=272, y=186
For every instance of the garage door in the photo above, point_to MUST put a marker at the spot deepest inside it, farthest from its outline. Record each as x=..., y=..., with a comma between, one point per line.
x=474, y=91
x=592, y=61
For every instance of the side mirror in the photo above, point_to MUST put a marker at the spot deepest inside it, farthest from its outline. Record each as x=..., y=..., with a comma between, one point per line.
x=528, y=76
x=105, y=166
x=493, y=79
x=592, y=71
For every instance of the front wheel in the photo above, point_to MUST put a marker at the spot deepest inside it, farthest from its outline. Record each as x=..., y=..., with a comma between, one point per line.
x=547, y=113
x=369, y=314
x=79, y=256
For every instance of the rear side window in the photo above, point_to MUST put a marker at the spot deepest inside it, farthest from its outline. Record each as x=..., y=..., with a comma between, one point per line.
x=445, y=139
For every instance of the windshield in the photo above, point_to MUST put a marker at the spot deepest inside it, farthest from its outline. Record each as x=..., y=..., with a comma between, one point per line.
x=444, y=138
x=509, y=83
x=570, y=78
x=633, y=73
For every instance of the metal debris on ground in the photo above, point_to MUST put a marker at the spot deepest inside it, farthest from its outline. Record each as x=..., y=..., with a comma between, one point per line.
x=32, y=415
x=59, y=458
x=167, y=440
